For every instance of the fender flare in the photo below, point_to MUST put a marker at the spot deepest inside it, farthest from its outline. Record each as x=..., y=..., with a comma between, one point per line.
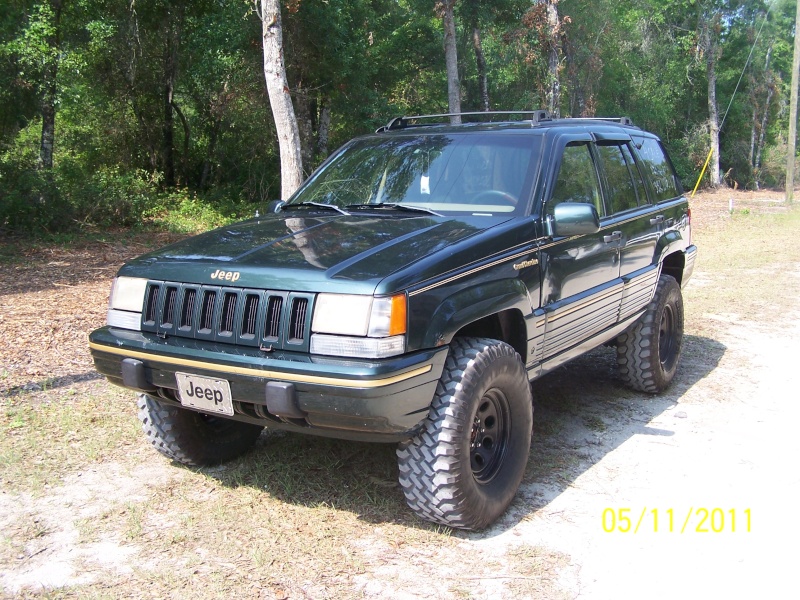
x=470, y=304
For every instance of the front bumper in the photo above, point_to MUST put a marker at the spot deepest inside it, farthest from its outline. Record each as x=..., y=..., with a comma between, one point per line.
x=369, y=400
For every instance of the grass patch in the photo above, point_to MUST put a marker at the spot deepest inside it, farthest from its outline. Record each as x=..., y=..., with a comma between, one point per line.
x=749, y=251
x=538, y=571
x=45, y=435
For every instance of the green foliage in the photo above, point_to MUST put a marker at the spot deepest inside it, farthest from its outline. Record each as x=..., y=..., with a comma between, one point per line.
x=361, y=62
x=182, y=212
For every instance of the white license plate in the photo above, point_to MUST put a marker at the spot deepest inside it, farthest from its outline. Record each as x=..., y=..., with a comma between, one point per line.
x=208, y=394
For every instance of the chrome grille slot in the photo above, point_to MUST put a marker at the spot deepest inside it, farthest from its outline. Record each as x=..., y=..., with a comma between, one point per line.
x=151, y=305
x=168, y=314
x=209, y=302
x=188, y=310
x=250, y=316
x=297, y=323
x=227, y=319
x=272, y=324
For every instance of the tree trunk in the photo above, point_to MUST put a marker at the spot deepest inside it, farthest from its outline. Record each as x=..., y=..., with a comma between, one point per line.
x=451, y=61
x=792, y=141
x=280, y=99
x=753, y=126
x=480, y=62
x=710, y=49
x=187, y=136
x=324, y=128
x=212, y=148
x=553, y=94
x=170, y=76
x=759, y=144
x=50, y=90
x=305, y=126
x=762, y=132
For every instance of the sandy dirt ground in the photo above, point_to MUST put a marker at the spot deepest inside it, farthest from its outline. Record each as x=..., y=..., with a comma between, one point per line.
x=693, y=493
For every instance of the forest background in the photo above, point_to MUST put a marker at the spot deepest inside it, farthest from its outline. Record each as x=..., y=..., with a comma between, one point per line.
x=131, y=112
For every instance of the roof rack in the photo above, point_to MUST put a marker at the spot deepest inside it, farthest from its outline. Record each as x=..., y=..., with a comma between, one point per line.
x=537, y=116
x=620, y=120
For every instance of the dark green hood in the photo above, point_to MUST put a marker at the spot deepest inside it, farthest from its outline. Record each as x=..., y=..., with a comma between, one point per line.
x=308, y=252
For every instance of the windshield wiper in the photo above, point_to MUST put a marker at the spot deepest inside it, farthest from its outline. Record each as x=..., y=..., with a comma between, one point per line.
x=396, y=206
x=316, y=205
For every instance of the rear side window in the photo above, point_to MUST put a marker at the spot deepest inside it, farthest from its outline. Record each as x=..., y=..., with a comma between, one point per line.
x=577, y=179
x=665, y=182
x=624, y=182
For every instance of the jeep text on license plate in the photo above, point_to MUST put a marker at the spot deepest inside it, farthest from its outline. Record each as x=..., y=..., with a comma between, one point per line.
x=205, y=393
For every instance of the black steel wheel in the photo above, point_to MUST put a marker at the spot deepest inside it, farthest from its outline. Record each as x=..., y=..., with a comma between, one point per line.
x=464, y=468
x=490, y=436
x=648, y=354
x=193, y=438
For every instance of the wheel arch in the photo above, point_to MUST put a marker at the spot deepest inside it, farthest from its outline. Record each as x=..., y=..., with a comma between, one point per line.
x=495, y=310
x=671, y=253
x=673, y=265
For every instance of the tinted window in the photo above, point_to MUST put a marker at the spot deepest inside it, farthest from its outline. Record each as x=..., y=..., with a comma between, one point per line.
x=621, y=175
x=665, y=183
x=577, y=179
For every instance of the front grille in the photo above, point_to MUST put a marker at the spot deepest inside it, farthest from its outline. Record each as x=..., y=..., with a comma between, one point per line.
x=270, y=319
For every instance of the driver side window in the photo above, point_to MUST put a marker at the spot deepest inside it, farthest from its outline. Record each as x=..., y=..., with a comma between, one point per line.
x=577, y=179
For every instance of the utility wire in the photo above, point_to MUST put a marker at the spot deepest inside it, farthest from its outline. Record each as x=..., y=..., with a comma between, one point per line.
x=746, y=64
x=736, y=89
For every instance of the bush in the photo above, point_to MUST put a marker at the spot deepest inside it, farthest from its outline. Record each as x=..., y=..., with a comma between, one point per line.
x=773, y=166
x=108, y=197
x=183, y=212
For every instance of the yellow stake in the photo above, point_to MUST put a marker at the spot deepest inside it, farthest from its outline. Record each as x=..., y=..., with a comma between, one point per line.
x=703, y=172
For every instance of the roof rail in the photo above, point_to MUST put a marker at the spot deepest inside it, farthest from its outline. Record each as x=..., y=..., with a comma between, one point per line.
x=620, y=120
x=537, y=116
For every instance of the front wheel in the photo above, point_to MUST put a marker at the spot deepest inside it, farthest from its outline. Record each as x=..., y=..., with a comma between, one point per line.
x=463, y=469
x=648, y=354
x=193, y=438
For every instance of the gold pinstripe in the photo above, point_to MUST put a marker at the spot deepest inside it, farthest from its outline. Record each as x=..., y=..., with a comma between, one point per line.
x=526, y=252
x=338, y=382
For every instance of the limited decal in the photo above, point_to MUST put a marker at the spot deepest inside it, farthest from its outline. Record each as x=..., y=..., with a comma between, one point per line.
x=526, y=263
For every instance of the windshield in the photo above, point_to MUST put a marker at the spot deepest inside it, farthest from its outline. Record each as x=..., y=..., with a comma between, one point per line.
x=464, y=173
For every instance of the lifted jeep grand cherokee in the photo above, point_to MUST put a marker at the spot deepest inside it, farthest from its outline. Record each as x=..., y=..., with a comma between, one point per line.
x=409, y=292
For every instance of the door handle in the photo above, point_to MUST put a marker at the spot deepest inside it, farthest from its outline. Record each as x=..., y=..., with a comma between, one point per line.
x=614, y=237
x=657, y=220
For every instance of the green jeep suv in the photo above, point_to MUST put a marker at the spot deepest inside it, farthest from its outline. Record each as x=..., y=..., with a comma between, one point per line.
x=410, y=292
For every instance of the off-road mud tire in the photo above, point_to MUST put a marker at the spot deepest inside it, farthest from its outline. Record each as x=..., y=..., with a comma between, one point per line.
x=465, y=466
x=648, y=354
x=193, y=438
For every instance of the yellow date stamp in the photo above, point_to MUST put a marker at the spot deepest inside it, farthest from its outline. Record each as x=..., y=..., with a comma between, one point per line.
x=672, y=520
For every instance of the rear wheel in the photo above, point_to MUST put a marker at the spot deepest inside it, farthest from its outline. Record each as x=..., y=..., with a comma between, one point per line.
x=193, y=438
x=463, y=469
x=648, y=354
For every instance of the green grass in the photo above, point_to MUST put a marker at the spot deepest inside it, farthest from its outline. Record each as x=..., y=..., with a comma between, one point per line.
x=750, y=264
x=47, y=434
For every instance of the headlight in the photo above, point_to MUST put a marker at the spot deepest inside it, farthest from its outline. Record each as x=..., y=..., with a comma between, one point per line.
x=125, y=303
x=359, y=326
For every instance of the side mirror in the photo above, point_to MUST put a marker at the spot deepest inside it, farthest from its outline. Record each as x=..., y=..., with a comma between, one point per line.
x=275, y=206
x=574, y=218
